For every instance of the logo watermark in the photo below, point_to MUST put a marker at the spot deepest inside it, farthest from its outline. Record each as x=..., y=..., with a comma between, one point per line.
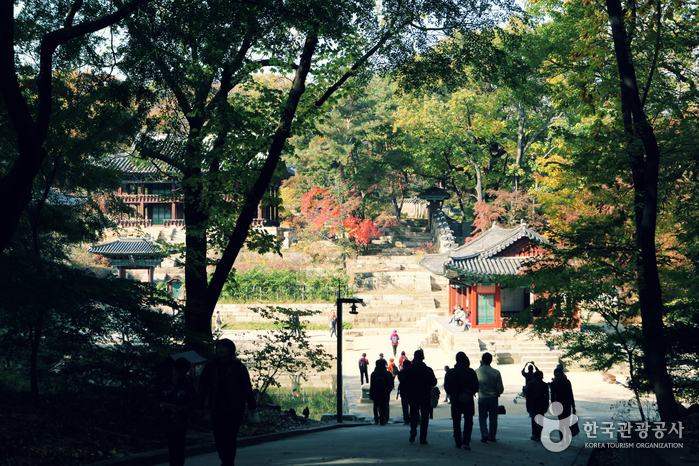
x=561, y=425
x=653, y=431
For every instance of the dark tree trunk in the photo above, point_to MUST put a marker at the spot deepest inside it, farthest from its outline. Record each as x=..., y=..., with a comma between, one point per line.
x=31, y=131
x=645, y=170
x=201, y=308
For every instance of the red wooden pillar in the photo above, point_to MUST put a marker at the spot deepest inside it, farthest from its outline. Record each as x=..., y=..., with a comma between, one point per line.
x=172, y=203
x=497, y=318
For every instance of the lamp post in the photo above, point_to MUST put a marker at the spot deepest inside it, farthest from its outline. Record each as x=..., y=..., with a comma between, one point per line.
x=338, y=333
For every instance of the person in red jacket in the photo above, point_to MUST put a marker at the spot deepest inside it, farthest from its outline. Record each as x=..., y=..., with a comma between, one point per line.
x=394, y=341
x=402, y=360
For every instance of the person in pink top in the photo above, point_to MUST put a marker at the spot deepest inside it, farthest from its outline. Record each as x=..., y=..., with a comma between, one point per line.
x=394, y=341
x=402, y=360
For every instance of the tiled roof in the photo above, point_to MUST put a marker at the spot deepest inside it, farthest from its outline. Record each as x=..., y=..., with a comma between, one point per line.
x=479, y=256
x=488, y=266
x=434, y=193
x=494, y=241
x=125, y=246
x=133, y=161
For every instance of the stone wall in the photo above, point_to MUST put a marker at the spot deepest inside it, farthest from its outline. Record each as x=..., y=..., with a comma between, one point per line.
x=411, y=281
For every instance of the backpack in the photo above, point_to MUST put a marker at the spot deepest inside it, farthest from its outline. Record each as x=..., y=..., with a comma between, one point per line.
x=362, y=364
x=434, y=401
x=394, y=339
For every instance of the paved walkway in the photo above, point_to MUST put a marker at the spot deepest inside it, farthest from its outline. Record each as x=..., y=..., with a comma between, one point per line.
x=370, y=444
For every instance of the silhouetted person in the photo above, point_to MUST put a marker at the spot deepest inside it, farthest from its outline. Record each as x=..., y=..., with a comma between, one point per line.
x=176, y=398
x=562, y=391
x=225, y=382
x=528, y=375
x=363, y=369
x=380, y=389
x=537, y=402
x=404, y=402
x=461, y=383
x=489, y=389
x=417, y=384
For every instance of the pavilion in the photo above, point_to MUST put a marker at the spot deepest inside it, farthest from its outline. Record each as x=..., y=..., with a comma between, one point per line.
x=475, y=272
x=132, y=253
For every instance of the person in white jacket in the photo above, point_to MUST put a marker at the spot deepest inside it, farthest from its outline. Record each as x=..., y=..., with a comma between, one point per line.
x=489, y=390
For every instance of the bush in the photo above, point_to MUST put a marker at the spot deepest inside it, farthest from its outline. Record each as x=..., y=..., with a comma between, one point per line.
x=319, y=400
x=280, y=326
x=264, y=285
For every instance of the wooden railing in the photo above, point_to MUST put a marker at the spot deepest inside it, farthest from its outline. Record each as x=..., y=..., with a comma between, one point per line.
x=147, y=198
x=178, y=222
x=135, y=222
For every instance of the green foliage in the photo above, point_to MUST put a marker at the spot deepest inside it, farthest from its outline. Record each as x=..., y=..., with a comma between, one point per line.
x=318, y=400
x=62, y=329
x=264, y=285
x=282, y=352
x=279, y=326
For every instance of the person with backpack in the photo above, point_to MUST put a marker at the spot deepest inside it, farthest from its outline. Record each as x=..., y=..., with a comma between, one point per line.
x=537, y=402
x=380, y=392
x=392, y=368
x=461, y=384
x=363, y=369
x=394, y=341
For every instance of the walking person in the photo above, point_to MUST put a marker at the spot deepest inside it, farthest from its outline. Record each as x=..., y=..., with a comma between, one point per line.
x=537, y=402
x=461, y=384
x=176, y=398
x=404, y=402
x=225, y=383
x=562, y=392
x=363, y=369
x=380, y=392
x=333, y=324
x=489, y=390
x=446, y=393
x=394, y=341
x=402, y=360
x=218, y=321
x=392, y=368
x=417, y=383
x=296, y=326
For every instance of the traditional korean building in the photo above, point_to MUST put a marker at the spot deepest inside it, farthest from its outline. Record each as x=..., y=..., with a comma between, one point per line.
x=475, y=271
x=132, y=253
x=151, y=188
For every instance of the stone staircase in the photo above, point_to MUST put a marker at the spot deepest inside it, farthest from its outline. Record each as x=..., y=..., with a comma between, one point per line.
x=401, y=239
x=399, y=310
x=507, y=347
